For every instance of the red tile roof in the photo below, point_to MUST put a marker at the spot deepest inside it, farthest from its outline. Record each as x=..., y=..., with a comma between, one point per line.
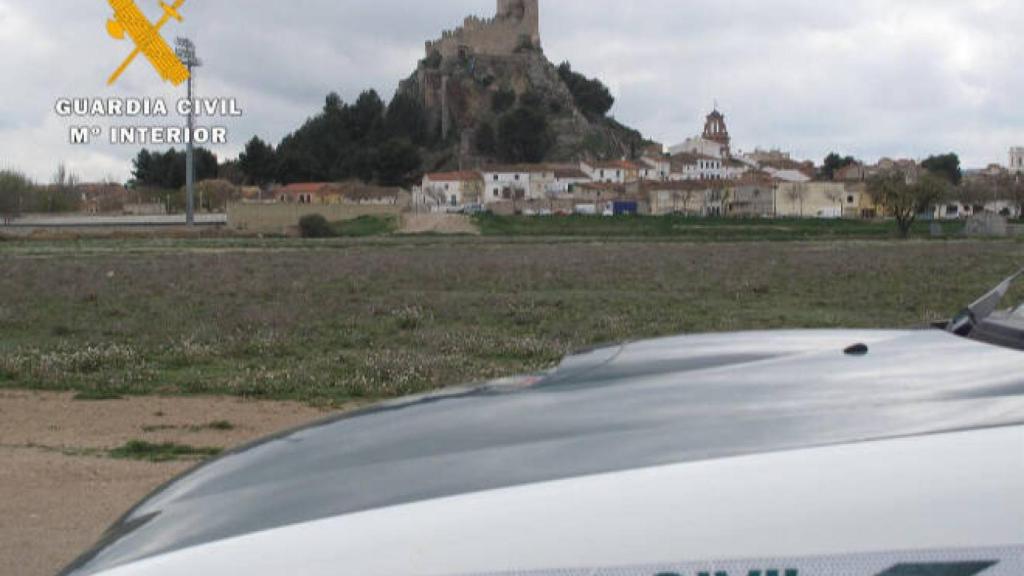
x=305, y=188
x=517, y=169
x=568, y=173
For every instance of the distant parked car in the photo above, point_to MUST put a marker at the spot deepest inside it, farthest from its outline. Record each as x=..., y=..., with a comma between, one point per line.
x=625, y=208
x=472, y=209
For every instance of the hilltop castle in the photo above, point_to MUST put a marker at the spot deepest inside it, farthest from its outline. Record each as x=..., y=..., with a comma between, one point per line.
x=515, y=26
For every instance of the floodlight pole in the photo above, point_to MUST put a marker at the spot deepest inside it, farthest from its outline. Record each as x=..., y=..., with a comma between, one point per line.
x=186, y=52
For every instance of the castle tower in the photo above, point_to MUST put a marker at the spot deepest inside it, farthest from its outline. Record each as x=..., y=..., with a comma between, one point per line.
x=527, y=12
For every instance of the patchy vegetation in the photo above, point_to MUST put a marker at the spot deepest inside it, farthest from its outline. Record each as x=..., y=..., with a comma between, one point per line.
x=701, y=229
x=334, y=321
x=97, y=396
x=167, y=452
x=316, y=226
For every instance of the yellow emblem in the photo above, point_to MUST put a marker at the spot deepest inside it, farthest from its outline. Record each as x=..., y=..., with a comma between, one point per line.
x=128, y=19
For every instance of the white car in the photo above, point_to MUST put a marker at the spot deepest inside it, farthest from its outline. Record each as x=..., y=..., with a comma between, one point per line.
x=795, y=453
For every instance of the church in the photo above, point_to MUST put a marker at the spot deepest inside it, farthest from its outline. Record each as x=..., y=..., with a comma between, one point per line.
x=714, y=142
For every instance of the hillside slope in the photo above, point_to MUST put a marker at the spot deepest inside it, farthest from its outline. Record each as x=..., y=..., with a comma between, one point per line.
x=464, y=95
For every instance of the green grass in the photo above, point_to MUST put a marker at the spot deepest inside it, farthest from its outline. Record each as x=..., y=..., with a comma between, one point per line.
x=94, y=395
x=365, y=227
x=167, y=452
x=332, y=321
x=700, y=229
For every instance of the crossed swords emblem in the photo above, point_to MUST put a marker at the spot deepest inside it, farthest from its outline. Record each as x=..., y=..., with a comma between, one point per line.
x=129, y=20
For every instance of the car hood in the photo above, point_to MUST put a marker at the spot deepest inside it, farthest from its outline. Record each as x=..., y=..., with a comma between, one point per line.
x=660, y=402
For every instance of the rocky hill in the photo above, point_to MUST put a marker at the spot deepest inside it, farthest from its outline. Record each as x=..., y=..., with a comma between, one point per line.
x=466, y=97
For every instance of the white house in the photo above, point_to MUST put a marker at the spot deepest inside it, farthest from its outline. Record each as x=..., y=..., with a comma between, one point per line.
x=502, y=183
x=655, y=169
x=612, y=172
x=688, y=166
x=451, y=189
x=566, y=179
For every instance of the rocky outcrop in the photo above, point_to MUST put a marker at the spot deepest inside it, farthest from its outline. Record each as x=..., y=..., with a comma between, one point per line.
x=459, y=93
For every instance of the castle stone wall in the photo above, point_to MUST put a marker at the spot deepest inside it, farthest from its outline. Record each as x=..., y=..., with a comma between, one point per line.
x=515, y=22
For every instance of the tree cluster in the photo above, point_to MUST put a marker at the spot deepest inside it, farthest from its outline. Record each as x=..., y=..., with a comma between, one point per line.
x=591, y=95
x=19, y=194
x=834, y=163
x=167, y=169
x=14, y=189
x=524, y=134
x=365, y=140
x=946, y=166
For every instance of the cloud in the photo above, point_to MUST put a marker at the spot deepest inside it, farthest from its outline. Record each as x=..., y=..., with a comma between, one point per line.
x=872, y=78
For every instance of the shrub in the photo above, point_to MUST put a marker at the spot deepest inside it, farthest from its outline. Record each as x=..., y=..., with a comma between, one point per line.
x=315, y=226
x=524, y=136
x=592, y=97
x=168, y=452
x=502, y=100
x=433, y=60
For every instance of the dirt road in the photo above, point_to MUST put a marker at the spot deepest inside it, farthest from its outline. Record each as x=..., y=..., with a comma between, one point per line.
x=59, y=489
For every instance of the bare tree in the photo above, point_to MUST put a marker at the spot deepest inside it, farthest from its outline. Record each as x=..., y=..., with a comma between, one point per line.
x=62, y=194
x=14, y=188
x=835, y=196
x=436, y=195
x=796, y=194
x=1007, y=188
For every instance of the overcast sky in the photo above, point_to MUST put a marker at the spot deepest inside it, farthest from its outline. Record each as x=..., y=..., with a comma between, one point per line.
x=872, y=78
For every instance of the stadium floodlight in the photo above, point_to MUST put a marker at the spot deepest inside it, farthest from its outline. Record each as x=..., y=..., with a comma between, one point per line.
x=185, y=49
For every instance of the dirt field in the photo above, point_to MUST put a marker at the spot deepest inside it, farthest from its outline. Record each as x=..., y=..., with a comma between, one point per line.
x=59, y=489
x=438, y=224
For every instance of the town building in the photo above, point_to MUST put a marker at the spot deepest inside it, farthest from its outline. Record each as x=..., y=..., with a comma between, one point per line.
x=307, y=193
x=655, y=168
x=810, y=200
x=753, y=198
x=759, y=156
x=689, y=166
x=337, y=193
x=684, y=197
x=566, y=178
x=612, y=172
x=1016, y=160
x=506, y=183
x=714, y=142
x=452, y=189
x=856, y=172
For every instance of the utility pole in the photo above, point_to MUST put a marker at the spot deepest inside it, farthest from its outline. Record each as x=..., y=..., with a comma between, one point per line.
x=186, y=52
